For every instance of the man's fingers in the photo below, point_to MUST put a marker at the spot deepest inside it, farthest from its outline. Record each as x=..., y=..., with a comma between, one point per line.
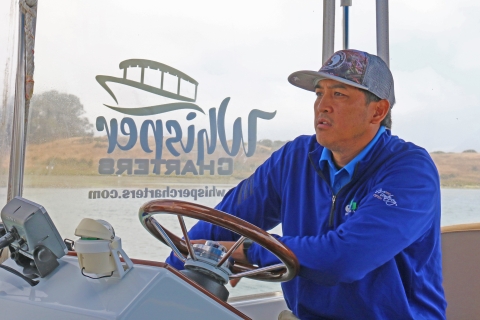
x=234, y=282
x=198, y=241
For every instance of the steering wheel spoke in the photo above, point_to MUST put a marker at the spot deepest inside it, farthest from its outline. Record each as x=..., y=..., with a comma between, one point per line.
x=166, y=239
x=191, y=252
x=279, y=268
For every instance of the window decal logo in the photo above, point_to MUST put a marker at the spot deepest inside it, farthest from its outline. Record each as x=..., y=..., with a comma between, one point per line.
x=124, y=134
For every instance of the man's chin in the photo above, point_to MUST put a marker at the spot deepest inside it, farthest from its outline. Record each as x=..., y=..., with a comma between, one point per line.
x=321, y=138
x=322, y=142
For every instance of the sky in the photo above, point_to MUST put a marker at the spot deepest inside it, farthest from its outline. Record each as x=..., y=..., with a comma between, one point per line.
x=245, y=50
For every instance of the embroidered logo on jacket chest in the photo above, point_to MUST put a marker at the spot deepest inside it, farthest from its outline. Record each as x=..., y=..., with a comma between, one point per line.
x=351, y=207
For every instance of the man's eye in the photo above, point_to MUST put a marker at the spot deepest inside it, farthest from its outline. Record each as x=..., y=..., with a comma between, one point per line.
x=339, y=94
x=319, y=94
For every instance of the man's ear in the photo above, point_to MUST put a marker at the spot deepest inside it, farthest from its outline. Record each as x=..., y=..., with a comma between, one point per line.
x=381, y=109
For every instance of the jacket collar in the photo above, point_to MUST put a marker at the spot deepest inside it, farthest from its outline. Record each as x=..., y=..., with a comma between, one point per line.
x=384, y=138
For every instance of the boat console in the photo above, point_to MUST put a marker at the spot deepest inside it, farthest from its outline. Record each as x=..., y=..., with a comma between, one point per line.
x=146, y=292
x=99, y=281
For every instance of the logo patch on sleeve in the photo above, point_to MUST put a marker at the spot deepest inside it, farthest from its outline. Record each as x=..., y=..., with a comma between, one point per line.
x=386, y=196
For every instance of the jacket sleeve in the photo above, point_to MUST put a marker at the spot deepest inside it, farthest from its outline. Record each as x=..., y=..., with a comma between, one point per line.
x=254, y=199
x=399, y=208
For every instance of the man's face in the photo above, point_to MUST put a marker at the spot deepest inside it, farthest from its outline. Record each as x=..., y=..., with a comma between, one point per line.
x=342, y=120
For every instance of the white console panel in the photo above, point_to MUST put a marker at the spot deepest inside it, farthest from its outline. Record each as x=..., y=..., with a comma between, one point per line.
x=144, y=293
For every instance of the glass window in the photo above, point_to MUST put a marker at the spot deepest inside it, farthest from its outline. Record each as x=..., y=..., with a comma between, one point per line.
x=8, y=65
x=138, y=100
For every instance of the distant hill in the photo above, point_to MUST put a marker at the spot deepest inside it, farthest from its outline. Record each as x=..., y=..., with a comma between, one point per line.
x=458, y=169
x=80, y=157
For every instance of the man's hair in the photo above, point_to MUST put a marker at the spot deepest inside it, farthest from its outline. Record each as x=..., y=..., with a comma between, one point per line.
x=370, y=97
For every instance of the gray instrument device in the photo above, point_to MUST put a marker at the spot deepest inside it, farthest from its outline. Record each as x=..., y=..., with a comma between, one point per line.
x=33, y=238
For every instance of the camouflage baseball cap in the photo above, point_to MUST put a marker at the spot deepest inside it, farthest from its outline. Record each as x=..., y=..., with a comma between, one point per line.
x=355, y=68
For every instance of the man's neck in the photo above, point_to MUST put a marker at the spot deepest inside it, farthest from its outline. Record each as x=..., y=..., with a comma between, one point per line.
x=341, y=157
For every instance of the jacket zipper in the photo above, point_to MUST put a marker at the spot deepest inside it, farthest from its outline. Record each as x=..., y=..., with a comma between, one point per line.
x=332, y=209
x=334, y=196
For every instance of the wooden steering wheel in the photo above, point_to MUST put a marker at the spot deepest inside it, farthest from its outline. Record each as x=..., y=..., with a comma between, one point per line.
x=284, y=271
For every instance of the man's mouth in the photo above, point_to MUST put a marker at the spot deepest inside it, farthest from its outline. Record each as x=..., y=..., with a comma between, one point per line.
x=323, y=123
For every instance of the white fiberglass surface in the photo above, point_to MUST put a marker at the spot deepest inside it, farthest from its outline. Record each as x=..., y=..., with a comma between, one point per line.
x=143, y=292
x=128, y=96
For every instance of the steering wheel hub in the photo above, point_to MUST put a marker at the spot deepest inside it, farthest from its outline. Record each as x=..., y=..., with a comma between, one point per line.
x=208, y=256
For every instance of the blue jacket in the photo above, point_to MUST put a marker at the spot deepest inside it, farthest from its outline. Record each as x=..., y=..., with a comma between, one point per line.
x=372, y=251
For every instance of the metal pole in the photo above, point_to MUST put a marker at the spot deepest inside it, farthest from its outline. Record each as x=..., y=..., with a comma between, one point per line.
x=345, y=28
x=15, y=179
x=328, y=29
x=382, y=31
x=345, y=4
x=23, y=94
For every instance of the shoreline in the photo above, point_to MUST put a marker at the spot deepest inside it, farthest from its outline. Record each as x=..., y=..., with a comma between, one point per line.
x=151, y=181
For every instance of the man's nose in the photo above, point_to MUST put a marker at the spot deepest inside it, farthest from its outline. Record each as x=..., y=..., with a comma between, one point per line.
x=323, y=105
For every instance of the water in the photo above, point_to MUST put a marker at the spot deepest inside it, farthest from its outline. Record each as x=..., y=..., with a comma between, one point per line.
x=67, y=207
x=460, y=206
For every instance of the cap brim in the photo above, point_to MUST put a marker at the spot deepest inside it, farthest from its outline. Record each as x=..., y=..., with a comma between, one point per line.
x=305, y=79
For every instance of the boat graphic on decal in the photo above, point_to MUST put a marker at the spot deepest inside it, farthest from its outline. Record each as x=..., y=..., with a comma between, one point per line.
x=160, y=90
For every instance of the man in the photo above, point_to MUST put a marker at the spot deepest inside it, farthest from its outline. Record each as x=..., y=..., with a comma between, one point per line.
x=360, y=208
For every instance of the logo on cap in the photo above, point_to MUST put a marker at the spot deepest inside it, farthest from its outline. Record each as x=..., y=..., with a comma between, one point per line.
x=348, y=64
x=335, y=61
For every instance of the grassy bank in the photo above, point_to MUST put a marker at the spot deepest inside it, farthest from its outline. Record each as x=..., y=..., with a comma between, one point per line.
x=458, y=170
x=73, y=163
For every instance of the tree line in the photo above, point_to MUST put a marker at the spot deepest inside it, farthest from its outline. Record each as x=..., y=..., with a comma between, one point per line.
x=55, y=115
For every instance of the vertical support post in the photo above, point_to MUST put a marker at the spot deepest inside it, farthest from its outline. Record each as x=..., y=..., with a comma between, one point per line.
x=346, y=36
x=23, y=94
x=17, y=154
x=383, y=44
x=328, y=29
